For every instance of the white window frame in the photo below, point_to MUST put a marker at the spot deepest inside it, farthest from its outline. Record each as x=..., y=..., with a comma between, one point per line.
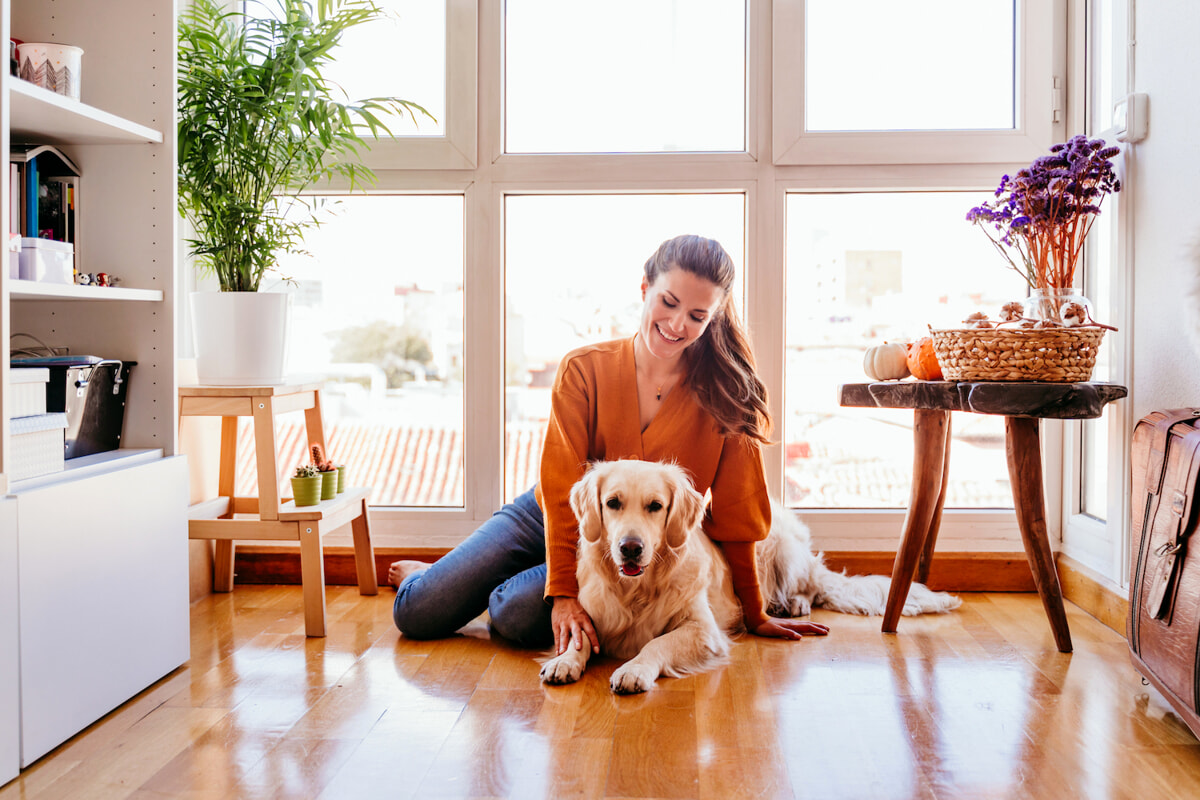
x=1040, y=92
x=764, y=178
x=1102, y=546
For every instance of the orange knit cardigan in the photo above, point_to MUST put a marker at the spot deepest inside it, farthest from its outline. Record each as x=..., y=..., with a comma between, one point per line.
x=594, y=416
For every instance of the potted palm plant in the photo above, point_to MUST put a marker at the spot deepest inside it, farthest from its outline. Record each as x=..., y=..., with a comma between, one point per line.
x=258, y=123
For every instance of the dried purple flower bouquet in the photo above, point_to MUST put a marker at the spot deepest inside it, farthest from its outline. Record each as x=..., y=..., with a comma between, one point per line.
x=1045, y=211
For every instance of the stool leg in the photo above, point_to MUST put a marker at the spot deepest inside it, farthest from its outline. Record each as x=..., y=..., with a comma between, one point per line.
x=312, y=576
x=223, y=552
x=264, y=455
x=929, y=451
x=935, y=524
x=227, y=469
x=314, y=425
x=223, y=565
x=1024, y=451
x=364, y=553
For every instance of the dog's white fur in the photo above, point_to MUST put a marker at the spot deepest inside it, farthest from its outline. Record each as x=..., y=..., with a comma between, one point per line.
x=659, y=592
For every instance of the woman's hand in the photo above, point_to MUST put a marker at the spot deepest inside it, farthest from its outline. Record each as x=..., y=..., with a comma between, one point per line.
x=572, y=624
x=779, y=628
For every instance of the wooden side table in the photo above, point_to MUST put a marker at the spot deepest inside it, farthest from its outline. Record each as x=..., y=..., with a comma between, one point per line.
x=227, y=518
x=1022, y=404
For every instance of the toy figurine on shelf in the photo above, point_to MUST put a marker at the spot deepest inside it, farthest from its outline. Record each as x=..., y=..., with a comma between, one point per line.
x=83, y=279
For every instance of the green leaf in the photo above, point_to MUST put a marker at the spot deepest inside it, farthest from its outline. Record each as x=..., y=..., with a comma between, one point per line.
x=258, y=121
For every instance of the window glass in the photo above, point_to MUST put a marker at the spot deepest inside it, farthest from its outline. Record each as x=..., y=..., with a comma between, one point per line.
x=1099, y=252
x=863, y=269
x=624, y=76
x=1100, y=76
x=884, y=65
x=377, y=314
x=573, y=272
x=402, y=54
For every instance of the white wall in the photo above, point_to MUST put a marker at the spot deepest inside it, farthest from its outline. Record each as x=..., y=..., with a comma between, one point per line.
x=1163, y=183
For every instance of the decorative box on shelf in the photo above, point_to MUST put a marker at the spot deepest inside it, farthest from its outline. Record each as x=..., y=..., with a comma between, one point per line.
x=38, y=445
x=28, y=388
x=14, y=255
x=47, y=261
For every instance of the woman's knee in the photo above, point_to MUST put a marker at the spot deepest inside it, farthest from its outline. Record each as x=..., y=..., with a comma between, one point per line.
x=415, y=619
x=521, y=617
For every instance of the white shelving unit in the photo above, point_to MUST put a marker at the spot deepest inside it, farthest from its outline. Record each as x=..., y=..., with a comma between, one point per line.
x=32, y=290
x=86, y=640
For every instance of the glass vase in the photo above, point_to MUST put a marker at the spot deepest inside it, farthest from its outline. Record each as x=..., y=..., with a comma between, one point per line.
x=1047, y=304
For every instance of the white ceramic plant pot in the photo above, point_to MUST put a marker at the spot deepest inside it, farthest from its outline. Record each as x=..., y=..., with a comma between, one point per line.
x=241, y=338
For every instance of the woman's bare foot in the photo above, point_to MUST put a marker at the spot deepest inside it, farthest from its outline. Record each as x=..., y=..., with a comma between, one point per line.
x=399, y=570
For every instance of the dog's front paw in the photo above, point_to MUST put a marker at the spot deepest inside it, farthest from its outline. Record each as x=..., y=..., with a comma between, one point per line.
x=631, y=678
x=562, y=670
x=799, y=606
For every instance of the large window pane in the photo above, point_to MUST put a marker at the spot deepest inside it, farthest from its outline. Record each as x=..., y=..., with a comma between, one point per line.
x=624, y=76
x=378, y=316
x=573, y=271
x=402, y=55
x=894, y=65
x=862, y=269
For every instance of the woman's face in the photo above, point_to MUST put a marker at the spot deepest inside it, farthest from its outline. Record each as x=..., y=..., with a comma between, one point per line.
x=678, y=307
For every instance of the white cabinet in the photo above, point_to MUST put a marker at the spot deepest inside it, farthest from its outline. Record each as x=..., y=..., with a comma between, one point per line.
x=103, y=595
x=10, y=710
x=97, y=555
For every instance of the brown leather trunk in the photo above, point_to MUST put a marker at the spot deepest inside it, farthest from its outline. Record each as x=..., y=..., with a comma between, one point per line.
x=1164, y=592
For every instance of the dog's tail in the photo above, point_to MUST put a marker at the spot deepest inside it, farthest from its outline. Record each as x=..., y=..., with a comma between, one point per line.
x=867, y=594
x=794, y=579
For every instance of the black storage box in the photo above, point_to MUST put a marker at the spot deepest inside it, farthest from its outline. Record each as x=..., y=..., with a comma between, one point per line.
x=91, y=391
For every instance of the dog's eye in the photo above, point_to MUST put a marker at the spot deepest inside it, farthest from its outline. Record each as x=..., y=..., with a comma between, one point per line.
x=654, y=506
x=614, y=503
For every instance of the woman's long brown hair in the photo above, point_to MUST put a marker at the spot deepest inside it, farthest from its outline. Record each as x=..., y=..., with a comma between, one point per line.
x=720, y=363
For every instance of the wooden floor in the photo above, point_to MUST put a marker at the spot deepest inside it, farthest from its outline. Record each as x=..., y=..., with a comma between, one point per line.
x=975, y=704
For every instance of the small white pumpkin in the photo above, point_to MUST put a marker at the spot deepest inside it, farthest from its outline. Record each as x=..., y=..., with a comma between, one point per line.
x=886, y=362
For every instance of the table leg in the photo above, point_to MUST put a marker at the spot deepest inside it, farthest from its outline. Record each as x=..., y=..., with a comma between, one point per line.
x=930, y=432
x=935, y=524
x=1024, y=451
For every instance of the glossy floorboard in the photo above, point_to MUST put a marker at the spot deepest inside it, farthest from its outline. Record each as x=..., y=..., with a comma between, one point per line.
x=975, y=704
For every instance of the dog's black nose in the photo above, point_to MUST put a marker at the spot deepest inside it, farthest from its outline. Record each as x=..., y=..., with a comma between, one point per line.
x=631, y=549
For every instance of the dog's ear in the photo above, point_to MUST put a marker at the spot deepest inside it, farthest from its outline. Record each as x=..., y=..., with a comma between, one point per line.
x=687, y=506
x=585, y=502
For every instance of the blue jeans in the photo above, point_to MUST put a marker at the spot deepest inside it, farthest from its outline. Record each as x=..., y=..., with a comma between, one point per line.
x=501, y=568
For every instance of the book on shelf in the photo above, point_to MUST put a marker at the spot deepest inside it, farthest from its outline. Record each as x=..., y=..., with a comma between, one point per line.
x=14, y=197
x=48, y=192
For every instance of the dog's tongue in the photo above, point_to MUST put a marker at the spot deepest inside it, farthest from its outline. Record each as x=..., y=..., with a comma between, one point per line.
x=631, y=570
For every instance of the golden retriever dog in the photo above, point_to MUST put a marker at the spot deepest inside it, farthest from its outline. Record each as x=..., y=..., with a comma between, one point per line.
x=660, y=593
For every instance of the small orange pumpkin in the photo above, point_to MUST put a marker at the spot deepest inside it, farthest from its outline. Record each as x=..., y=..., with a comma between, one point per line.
x=922, y=361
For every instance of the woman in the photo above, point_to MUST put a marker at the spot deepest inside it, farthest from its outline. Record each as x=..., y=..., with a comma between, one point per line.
x=683, y=389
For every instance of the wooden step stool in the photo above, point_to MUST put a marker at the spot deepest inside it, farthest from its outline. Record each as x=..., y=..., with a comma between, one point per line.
x=269, y=516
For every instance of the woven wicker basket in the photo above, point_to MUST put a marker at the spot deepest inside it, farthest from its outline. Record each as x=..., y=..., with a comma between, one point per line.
x=1056, y=355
